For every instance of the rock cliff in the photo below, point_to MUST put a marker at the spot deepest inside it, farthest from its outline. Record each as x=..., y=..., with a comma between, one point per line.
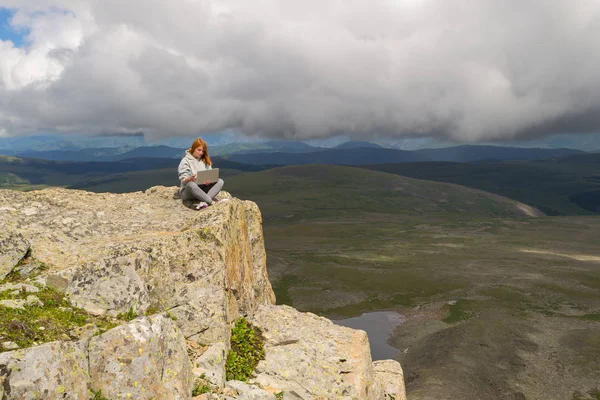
x=168, y=283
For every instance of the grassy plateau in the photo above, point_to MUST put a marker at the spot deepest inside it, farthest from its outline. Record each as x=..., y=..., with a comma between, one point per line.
x=499, y=304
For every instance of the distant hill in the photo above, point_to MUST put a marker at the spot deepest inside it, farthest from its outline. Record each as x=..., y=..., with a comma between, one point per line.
x=470, y=153
x=315, y=191
x=263, y=147
x=562, y=186
x=351, y=156
x=378, y=155
x=355, y=144
x=149, y=152
x=51, y=142
x=12, y=146
x=91, y=154
x=161, y=151
x=23, y=173
x=105, y=153
x=63, y=173
x=292, y=146
x=298, y=153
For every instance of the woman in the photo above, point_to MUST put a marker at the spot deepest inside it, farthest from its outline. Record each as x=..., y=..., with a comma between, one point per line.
x=196, y=159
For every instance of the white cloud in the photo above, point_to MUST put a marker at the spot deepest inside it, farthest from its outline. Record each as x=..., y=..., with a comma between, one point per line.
x=467, y=70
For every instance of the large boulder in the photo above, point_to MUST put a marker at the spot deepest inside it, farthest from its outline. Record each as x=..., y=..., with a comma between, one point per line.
x=206, y=317
x=56, y=370
x=144, y=359
x=324, y=359
x=109, y=285
x=249, y=392
x=390, y=378
x=211, y=364
x=14, y=249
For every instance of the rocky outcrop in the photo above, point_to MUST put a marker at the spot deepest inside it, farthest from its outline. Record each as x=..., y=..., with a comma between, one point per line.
x=390, y=378
x=14, y=249
x=310, y=357
x=145, y=359
x=56, y=370
x=187, y=275
x=112, y=252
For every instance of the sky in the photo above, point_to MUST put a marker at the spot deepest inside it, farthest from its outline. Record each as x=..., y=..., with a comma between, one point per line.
x=462, y=70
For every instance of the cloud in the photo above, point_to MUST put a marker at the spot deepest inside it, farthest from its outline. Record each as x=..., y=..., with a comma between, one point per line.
x=465, y=70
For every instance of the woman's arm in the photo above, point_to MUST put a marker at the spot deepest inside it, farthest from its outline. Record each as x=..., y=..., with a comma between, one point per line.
x=185, y=172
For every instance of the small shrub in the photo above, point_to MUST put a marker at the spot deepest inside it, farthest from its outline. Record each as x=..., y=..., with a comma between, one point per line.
x=129, y=315
x=200, y=389
x=247, y=349
x=279, y=396
x=174, y=318
x=98, y=395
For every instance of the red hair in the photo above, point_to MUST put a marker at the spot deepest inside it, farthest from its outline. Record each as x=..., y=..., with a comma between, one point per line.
x=197, y=143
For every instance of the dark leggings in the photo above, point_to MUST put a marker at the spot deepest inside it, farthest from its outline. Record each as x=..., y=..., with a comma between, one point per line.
x=206, y=193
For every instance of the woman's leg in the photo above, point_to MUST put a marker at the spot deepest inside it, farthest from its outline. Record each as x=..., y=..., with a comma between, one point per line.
x=216, y=188
x=191, y=191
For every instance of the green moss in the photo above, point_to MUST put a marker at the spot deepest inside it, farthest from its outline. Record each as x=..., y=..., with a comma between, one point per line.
x=460, y=311
x=247, y=349
x=40, y=324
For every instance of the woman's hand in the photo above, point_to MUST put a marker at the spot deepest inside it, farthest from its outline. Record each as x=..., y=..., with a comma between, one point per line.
x=190, y=179
x=206, y=183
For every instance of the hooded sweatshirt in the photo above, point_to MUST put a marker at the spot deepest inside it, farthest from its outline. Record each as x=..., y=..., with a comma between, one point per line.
x=189, y=166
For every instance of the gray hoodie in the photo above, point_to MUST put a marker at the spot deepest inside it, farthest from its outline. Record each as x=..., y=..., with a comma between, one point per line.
x=189, y=166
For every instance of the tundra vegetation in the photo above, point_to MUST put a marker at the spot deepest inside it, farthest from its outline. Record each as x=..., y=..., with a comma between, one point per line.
x=32, y=313
x=247, y=349
x=498, y=304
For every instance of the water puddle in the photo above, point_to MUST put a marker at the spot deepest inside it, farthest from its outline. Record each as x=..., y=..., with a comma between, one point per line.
x=378, y=325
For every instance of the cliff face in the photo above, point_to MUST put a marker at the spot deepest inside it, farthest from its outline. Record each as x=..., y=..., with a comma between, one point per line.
x=188, y=276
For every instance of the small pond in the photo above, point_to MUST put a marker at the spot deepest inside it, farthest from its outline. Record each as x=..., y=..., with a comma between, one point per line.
x=378, y=325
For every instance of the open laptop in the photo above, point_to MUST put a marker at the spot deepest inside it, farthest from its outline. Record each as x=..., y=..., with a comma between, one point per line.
x=211, y=175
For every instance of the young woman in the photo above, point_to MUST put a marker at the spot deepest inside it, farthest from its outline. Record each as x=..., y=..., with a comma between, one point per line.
x=196, y=159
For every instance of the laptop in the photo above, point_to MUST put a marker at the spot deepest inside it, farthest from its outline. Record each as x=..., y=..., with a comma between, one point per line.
x=211, y=175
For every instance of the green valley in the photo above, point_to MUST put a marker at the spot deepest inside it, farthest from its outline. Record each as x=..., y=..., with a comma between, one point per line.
x=496, y=299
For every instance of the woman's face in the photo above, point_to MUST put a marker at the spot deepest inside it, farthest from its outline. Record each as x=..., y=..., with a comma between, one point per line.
x=198, y=152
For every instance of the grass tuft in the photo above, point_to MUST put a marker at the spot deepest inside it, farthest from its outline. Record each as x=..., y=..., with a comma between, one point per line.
x=129, y=315
x=200, y=388
x=36, y=324
x=247, y=349
x=98, y=395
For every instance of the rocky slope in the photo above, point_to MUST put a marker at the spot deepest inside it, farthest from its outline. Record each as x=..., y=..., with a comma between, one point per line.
x=185, y=276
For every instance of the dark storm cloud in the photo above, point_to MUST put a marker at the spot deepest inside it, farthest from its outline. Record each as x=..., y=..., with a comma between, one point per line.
x=470, y=71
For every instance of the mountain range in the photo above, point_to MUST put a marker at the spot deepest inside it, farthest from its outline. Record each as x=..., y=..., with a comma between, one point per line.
x=297, y=153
